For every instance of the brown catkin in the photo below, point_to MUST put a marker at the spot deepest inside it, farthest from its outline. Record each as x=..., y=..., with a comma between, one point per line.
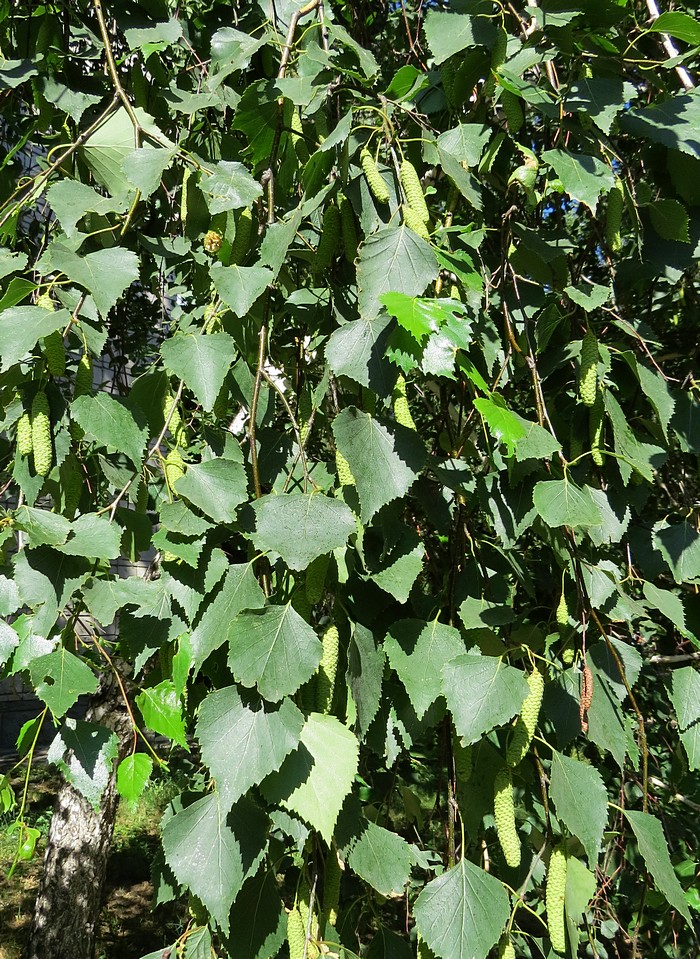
x=41, y=434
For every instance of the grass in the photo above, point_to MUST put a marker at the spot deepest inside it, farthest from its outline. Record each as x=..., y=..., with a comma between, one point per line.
x=129, y=927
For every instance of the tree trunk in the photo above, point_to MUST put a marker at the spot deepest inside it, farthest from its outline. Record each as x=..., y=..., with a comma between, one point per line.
x=69, y=898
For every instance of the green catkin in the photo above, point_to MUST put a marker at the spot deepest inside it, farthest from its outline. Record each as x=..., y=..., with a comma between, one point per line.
x=296, y=934
x=342, y=466
x=83, y=377
x=304, y=905
x=562, y=614
x=413, y=221
x=325, y=686
x=555, y=896
x=410, y=181
x=331, y=886
x=589, y=369
x=506, y=949
x=568, y=655
x=376, y=184
x=575, y=445
x=46, y=302
x=55, y=353
x=402, y=412
x=349, y=229
x=448, y=74
x=220, y=408
x=174, y=469
x=298, y=140
x=316, y=578
x=328, y=243
x=596, y=422
x=463, y=759
x=175, y=420
x=41, y=434
x=512, y=108
x=524, y=729
x=241, y=241
x=186, y=174
x=142, y=497
x=504, y=814
x=24, y=435
x=72, y=481
x=613, y=219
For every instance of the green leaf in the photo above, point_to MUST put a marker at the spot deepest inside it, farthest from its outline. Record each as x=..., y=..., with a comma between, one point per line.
x=60, y=678
x=652, y=846
x=358, y=350
x=42, y=527
x=258, y=918
x=393, y=259
x=364, y=676
x=420, y=317
x=384, y=465
x=144, y=168
x=213, y=853
x=71, y=200
x=240, y=286
x=85, y=753
x=562, y=503
x=104, y=273
x=670, y=220
x=133, y=773
x=680, y=547
x=462, y=913
x=230, y=187
x=21, y=327
x=93, y=536
x=669, y=605
x=274, y=649
x=301, y=527
x=465, y=142
x=242, y=743
x=217, y=487
x=239, y=591
x=678, y=25
x=162, y=711
x=581, y=801
x=107, y=148
x=418, y=651
x=482, y=693
x=673, y=122
x=315, y=779
x=584, y=177
x=401, y=568
x=9, y=640
x=108, y=420
x=685, y=696
x=448, y=33
x=505, y=426
x=382, y=859
x=589, y=296
x=201, y=361
x=601, y=98
x=11, y=262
